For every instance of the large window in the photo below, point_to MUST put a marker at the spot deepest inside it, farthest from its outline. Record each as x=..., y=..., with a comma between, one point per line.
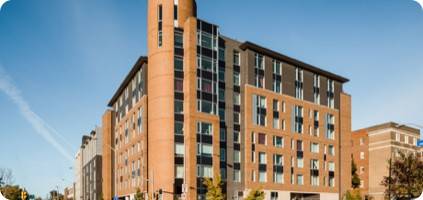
x=316, y=89
x=259, y=110
x=179, y=149
x=139, y=120
x=179, y=106
x=205, y=171
x=298, y=120
x=278, y=141
x=277, y=76
x=237, y=175
x=277, y=160
x=330, y=126
x=259, y=81
x=259, y=61
x=160, y=25
x=179, y=63
x=179, y=171
x=314, y=147
x=204, y=128
x=207, y=40
x=262, y=176
x=262, y=158
x=299, y=83
x=237, y=98
x=179, y=40
x=206, y=106
x=237, y=58
x=300, y=179
x=331, y=93
x=204, y=149
x=237, y=79
x=179, y=128
x=237, y=156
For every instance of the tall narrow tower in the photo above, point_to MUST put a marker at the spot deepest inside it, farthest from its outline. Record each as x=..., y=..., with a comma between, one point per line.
x=164, y=16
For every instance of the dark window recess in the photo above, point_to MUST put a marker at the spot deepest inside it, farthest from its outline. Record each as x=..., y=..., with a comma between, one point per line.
x=221, y=64
x=179, y=160
x=179, y=117
x=278, y=169
x=178, y=186
x=222, y=145
x=262, y=167
x=179, y=52
x=331, y=174
x=179, y=139
x=179, y=74
x=237, y=89
x=175, y=12
x=314, y=172
x=237, y=146
x=223, y=165
x=222, y=104
x=237, y=108
x=207, y=139
x=179, y=96
x=237, y=68
x=237, y=127
x=300, y=154
x=237, y=166
x=222, y=85
x=276, y=114
x=204, y=160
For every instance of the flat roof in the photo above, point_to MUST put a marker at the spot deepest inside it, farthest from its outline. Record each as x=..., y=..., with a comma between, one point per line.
x=293, y=61
x=137, y=66
x=404, y=127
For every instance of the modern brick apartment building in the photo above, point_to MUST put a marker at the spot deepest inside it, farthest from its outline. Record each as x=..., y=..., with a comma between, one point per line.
x=374, y=146
x=203, y=105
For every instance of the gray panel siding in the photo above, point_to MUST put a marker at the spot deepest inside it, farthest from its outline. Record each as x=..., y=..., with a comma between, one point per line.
x=250, y=66
x=308, y=86
x=323, y=91
x=338, y=90
x=288, y=79
x=268, y=73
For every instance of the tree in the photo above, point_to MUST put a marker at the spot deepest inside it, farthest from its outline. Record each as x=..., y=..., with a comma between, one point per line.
x=255, y=194
x=214, y=189
x=139, y=195
x=355, y=180
x=353, y=195
x=11, y=192
x=6, y=177
x=406, y=180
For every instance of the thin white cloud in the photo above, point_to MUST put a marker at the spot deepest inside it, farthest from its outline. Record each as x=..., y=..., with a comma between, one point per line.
x=37, y=123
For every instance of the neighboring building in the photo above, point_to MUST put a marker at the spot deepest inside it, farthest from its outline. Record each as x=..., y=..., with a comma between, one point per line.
x=88, y=167
x=78, y=175
x=202, y=105
x=381, y=143
x=360, y=155
x=69, y=193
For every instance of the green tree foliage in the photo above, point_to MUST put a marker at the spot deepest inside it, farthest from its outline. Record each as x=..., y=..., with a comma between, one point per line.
x=353, y=195
x=139, y=195
x=255, y=194
x=214, y=189
x=406, y=179
x=355, y=180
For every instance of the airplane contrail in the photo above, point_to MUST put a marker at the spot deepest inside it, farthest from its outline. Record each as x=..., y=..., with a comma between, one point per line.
x=37, y=123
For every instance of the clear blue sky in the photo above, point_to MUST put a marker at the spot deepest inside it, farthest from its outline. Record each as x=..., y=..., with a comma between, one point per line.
x=66, y=58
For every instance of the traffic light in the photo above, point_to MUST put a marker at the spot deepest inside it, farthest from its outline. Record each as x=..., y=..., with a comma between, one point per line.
x=24, y=195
